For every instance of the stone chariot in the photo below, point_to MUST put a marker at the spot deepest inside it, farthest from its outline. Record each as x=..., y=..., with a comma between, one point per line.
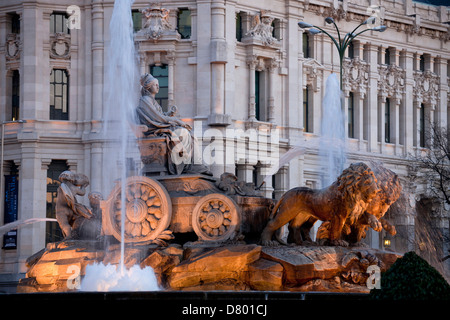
x=158, y=204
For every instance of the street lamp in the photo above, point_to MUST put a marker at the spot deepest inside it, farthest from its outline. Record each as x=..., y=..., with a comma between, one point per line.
x=341, y=44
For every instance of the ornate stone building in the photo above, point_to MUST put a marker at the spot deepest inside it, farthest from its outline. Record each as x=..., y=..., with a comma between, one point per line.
x=230, y=66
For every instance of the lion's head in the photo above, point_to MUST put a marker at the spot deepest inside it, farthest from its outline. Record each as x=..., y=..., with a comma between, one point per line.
x=358, y=186
x=390, y=190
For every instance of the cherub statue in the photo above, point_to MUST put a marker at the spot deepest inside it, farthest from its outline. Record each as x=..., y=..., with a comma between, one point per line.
x=68, y=210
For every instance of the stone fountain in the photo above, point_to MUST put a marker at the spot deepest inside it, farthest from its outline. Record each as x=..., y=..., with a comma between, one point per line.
x=194, y=231
x=152, y=212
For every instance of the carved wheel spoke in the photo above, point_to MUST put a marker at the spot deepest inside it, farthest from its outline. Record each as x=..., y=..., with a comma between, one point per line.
x=147, y=210
x=215, y=218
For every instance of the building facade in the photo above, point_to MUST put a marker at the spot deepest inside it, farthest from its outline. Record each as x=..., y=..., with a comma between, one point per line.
x=244, y=75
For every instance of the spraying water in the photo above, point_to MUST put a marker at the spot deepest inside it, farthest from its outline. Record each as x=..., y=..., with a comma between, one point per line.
x=332, y=147
x=20, y=223
x=121, y=96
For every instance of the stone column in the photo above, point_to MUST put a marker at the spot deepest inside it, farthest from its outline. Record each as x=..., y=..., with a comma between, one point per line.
x=31, y=62
x=416, y=122
x=442, y=111
x=372, y=99
x=170, y=56
x=218, y=58
x=32, y=195
x=97, y=59
x=381, y=120
x=359, y=115
x=395, y=121
x=252, y=62
x=409, y=108
x=272, y=67
x=245, y=171
x=266, y=188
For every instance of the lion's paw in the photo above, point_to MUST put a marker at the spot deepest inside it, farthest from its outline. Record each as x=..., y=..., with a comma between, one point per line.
x=339, y=243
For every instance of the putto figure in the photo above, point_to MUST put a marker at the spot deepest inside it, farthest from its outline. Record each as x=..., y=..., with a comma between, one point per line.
x=68, y=210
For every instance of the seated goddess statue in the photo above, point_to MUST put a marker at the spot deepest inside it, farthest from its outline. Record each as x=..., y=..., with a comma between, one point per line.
x=183, y=147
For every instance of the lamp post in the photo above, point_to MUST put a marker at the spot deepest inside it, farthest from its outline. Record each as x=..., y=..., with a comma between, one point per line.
x=341, y=44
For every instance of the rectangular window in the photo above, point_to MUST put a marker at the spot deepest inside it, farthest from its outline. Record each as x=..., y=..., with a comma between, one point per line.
x=306, y=110
x=59, y=95
x=136, y=15
x=53, y=232
x=58, y=23
x=306, y=49
x=15, y=101
x=387, y=122
x=162, y=74
x=15, y=23
x=257, y=95
x=422, y=63
x=184, y=23
x=238, y=26
x=351, y=116
x=422, y=126
x=351, y=50
x=387, y=57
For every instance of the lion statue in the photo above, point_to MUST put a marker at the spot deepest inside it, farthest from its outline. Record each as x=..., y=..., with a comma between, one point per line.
x=347, y=198
x=390, y=190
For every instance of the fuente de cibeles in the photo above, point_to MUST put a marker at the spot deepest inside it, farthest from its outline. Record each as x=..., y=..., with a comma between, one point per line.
x=170, y=201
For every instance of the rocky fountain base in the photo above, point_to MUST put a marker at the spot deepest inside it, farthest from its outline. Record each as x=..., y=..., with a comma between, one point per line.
x=194, y=266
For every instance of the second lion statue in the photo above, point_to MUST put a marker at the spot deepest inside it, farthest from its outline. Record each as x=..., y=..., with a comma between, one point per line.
x=347, y=198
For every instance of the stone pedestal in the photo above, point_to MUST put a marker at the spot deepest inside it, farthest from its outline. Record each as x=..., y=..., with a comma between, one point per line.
x=199, y=266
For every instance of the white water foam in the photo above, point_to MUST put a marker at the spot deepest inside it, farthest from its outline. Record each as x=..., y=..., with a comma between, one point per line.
x=109, y=278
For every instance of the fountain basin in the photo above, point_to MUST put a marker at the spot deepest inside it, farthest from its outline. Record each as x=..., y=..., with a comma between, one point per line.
x=201, y=266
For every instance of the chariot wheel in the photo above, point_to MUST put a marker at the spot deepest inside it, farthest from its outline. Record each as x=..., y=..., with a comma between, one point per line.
x=148, y=209
x=215, y=217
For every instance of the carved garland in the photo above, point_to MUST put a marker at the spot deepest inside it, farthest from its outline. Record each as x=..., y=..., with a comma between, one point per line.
x=426, y=87
x=392, y=81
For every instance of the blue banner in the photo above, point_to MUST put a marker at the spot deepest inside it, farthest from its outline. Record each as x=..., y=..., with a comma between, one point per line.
x=11, y=209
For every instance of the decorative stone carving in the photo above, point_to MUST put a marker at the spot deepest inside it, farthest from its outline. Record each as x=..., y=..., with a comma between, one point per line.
x=392, y=81
x=313, y=71
x=60, y=46
x=76, y=220
x=355, y=75
x=12, y=46
x=262, y=28
x=390, y=190
x=215, y=218
x=426, y=87
x=148, y=211
x=157, y=21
